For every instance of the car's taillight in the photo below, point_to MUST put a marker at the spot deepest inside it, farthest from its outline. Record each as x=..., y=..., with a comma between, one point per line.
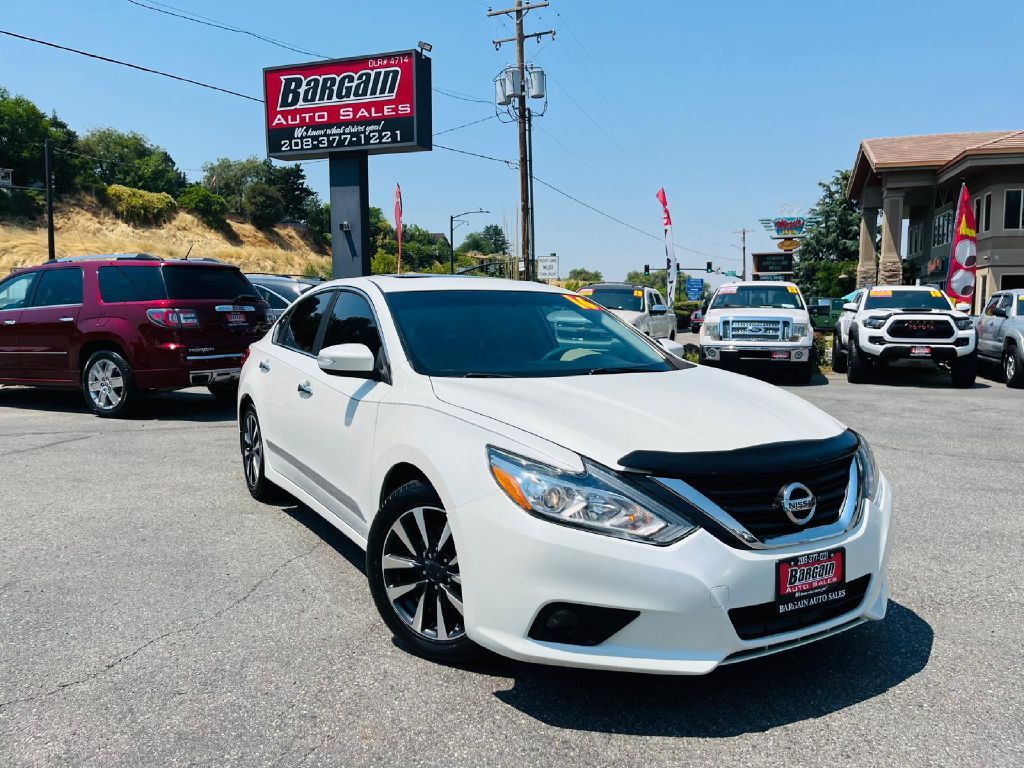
x=245, y=354
x=173, y=318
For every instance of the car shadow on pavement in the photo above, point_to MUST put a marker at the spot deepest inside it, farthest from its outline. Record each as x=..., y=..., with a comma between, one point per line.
x=751, y=697
x=921, y=378
x=330, y=535
x=779, y=377
x=189, y=405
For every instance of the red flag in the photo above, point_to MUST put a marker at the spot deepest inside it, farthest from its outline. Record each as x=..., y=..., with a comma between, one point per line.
x=398, y=223
x=963, y=264
x=664, y=206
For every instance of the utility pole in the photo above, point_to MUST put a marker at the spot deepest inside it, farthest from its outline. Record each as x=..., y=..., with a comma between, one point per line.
x=743, y=236
x=523, y=116
x=48, y=166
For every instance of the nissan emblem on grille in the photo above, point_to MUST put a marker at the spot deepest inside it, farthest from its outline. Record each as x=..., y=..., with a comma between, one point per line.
x=797, y=501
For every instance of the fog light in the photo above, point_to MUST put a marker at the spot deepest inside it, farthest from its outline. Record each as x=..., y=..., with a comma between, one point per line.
x=798, y=355
x=711, y=353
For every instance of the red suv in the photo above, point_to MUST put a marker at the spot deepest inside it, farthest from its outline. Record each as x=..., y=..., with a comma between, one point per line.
x=118, y=325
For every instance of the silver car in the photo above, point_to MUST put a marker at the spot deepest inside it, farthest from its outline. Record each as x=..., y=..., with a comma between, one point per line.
x=279, y=291
x=1001, y=334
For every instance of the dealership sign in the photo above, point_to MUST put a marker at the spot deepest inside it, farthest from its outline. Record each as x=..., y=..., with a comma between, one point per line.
x=773, y=262
x=782, y=227
x=372, y=104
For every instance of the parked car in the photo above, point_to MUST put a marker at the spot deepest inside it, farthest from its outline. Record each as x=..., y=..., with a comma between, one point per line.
x=638, y=305
x=280, y=290
x=1001, y=334
x=537, y=494
x=696, y=320
x=758, y=322
x=824, y=312
x=891, y=324
x=118, y=325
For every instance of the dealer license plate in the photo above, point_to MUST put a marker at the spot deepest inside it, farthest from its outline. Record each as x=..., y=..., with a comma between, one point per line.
x=780, y=355
x=920, y=351
x=810, y=580
x=236, y=318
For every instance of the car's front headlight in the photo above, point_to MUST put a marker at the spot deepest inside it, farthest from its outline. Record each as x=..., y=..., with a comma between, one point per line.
x=712, y=330
x=874, y=322
x=866, y=470
x=800, y=330
x=593, y=499
x=964, y=324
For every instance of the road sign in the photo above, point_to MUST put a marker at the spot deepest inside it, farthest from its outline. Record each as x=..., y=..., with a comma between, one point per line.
x=547, y=267
x=694, y=288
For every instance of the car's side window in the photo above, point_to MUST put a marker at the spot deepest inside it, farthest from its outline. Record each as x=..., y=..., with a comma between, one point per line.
x=275, y=301
x=1004, y=302
x=992, y=304
x=59, y=287
x=300, y=329
x=352, y=322
x=15, y=292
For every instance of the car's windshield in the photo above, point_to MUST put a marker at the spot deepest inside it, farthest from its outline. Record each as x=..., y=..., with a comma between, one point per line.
x=757, y=296
x=627, y=298
x=887, y=298
x=471, y=333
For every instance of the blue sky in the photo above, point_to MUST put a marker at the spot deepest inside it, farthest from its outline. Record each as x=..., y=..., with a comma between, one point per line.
x=737, y=108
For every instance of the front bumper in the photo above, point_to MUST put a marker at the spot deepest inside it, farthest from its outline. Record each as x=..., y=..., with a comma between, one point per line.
x=943, y=351
x=513, y=565
x=730, y=352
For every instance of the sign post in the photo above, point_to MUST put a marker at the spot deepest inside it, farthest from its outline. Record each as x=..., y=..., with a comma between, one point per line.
x=346, y=110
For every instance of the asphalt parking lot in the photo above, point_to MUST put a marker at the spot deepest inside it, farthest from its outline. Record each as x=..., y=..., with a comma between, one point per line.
x=153, y=614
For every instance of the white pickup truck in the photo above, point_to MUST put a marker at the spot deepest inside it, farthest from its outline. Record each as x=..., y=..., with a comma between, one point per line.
x=758, y=322
x=638, y=305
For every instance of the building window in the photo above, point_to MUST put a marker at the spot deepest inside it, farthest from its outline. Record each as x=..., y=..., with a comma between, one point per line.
x=1012, y=209
x=942, y=229
x=916, y=236
x=988, y=213
x=977, y=213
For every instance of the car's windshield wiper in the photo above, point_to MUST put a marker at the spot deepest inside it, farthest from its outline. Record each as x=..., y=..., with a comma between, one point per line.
x=483, y=375
x=599, y=371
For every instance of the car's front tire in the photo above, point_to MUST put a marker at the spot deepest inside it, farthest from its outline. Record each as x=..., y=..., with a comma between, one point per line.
x=1013, y=367
x=109, y=385
x=250, y=439
x=965, y=371
x=858, y=369
x=838, y=355
x=413, y=569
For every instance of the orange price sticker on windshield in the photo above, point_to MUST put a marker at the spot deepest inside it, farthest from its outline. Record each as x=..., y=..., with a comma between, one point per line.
x=638, y=293
x=791, y=288
x=585, y=291
x=581, y=302
x=880, y=292
x=936, y=294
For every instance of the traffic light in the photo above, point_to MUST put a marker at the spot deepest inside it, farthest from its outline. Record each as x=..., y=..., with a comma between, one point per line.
x=647, y=269
x=710, y=268
x=679, y=269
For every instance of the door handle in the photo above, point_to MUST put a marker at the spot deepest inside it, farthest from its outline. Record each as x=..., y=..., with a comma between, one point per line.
x=10, y=322
x=67, y=319
x=265, y=366
x=305, y=389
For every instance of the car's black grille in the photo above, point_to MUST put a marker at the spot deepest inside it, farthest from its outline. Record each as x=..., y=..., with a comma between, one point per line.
x=921, y=329
x=763, y=620
x=751, y=498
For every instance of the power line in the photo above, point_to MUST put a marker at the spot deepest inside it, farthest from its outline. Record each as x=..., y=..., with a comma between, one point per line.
x=114, y=162
x=131, y=66
x=466, y=125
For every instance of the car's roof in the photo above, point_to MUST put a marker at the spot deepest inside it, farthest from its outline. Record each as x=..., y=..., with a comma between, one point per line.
x=756, y=283
x=634, y=286
x=261, y=277
x=416, y=282
x=901, y=288
x=145, y=259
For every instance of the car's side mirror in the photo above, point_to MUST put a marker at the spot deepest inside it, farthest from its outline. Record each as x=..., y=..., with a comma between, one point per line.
x=999, y=312
x=962, y=306
x=659, y=309
x=673, y=347
x=850, y=307
x=354, y=360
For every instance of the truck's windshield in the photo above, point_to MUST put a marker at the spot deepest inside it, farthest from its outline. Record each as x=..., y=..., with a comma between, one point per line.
x=758, y=296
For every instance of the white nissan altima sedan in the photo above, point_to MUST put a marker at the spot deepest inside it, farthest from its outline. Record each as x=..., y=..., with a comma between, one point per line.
x=530, y=475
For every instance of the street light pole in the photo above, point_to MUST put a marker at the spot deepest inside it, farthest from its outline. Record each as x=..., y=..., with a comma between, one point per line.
x=451, y=235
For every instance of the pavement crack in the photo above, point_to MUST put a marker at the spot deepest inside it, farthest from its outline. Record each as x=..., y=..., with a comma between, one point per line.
x=61, y=687
x=46, y=445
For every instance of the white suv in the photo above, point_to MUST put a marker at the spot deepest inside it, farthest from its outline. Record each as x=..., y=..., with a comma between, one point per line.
x=758, y=322
x=514, y=460
x=896, y=323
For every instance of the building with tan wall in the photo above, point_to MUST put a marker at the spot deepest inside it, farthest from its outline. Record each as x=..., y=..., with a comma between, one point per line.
x=918, y=178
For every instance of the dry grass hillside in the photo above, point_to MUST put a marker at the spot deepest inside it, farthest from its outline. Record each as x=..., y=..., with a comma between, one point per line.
x=83, y=226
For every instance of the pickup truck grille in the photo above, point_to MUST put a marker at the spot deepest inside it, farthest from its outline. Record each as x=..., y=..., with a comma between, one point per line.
x=921, y=329
x=755, y=329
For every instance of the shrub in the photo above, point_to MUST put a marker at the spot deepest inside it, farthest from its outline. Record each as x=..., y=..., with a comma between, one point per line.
x=317, y=216
x=263, y=205
x=22, y=203
x=321, y=267
x=139, y=207
x=204, y=205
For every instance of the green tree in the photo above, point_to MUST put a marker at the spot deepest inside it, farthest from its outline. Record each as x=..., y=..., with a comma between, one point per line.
x=128, y=159
x=290, y=182
x=230, y=178
x=825, y=277
x=656, y=279
x=263, y=205
x=317, y=216
x=836, y=237
x=23, y=131
x=489, y=241
x=204, y=204
x=584, y=276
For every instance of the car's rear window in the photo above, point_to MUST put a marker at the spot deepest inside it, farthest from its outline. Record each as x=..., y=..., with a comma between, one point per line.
x=206, y=283
x=131, y=283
